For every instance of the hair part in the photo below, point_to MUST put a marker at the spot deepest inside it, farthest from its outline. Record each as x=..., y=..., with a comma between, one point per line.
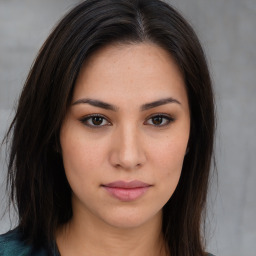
x=36, y=174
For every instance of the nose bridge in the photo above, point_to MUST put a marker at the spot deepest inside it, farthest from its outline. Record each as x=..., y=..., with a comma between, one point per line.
x=128, y=150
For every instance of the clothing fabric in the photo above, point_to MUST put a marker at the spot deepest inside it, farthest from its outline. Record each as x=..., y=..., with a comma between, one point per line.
x=12, y=244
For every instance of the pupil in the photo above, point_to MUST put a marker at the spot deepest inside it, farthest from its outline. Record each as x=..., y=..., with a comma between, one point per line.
x=157, y=120
x=97, y=120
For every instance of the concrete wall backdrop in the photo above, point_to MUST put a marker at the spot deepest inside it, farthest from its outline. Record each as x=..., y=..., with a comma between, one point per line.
x=227, y=31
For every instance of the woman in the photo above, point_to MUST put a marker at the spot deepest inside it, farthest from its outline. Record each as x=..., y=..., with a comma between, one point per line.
x=113, y=136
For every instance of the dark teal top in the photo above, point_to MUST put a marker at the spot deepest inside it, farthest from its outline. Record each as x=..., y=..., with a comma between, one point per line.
x=11, y=244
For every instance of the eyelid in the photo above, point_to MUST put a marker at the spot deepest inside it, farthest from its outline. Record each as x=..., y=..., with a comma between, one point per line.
x=163, y=115
x=168, y=117
x=84, y=119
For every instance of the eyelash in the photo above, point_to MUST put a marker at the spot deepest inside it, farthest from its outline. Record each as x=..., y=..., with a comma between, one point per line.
x=85, y=120
x=169, y=119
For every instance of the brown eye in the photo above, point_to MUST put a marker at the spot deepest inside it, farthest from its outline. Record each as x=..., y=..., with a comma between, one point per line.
x=160, y=120
x=95, y=121
x=157, y=120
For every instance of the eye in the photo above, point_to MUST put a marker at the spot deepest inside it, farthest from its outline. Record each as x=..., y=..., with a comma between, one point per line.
x=95, y=121
x=160, y=120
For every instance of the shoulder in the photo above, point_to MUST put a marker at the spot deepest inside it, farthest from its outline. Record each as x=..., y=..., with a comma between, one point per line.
x=11, y=243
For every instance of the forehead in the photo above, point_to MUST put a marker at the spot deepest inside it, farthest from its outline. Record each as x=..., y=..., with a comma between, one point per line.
x=143, y=69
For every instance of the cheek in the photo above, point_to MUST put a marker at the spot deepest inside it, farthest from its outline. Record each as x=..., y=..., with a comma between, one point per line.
x=81, y=156
x=170, y=153
x=168, y=160
x=79, y=149
x=81, y=169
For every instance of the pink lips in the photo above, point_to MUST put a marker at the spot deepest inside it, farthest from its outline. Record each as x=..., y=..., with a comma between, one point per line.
x=127, y=191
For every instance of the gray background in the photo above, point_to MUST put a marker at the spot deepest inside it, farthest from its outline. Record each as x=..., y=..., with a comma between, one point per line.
x=227, y=30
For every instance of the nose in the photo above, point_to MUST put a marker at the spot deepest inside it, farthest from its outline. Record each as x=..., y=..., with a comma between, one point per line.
x=127, y=149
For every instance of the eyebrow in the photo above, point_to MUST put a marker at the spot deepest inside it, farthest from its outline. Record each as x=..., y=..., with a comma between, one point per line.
x=96, y=103
x=158, y=103
x=104, y=105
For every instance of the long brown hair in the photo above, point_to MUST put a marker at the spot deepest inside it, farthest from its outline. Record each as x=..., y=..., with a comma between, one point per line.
x=36, y=174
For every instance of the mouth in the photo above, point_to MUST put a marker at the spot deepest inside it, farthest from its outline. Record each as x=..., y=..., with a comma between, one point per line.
x=126, y=191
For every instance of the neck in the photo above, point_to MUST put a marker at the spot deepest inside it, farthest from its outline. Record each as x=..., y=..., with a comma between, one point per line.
x=98, y=238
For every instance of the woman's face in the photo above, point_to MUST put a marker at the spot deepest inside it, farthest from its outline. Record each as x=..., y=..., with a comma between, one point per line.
x=125, y=135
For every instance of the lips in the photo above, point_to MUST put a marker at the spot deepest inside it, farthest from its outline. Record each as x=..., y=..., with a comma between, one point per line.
x=126, y=191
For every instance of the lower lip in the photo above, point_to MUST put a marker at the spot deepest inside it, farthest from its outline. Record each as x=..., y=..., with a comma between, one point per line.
x=126, y=194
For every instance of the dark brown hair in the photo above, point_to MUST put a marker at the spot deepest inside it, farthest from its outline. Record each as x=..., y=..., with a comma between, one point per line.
x=36, y=173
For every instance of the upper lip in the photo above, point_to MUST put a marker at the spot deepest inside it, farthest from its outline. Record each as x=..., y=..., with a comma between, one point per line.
x=125, y=184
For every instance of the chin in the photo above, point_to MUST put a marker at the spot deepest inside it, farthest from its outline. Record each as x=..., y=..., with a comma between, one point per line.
x=131, y=220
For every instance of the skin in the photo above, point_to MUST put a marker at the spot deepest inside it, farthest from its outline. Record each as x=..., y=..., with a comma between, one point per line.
x=130, y=142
